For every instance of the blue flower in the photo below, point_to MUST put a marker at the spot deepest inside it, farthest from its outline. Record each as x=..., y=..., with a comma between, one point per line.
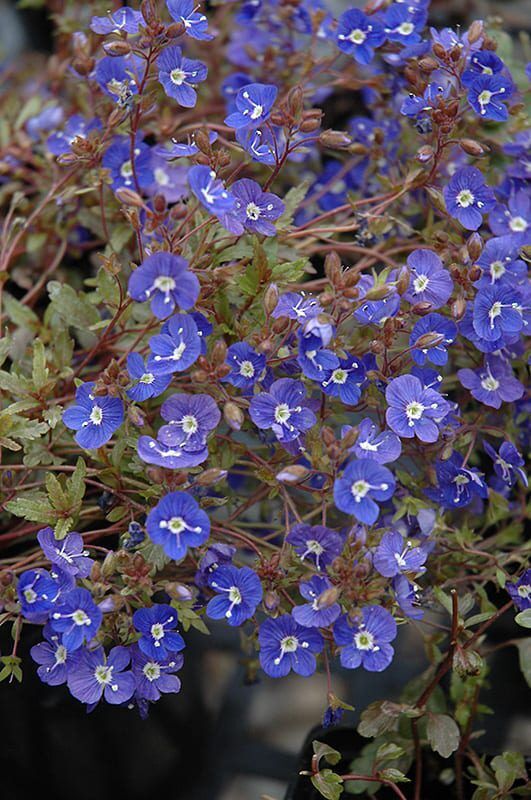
x=231, y=86
x=238, y=593
x=255, y=209
x=414, y=105
x=413, y=410
x=393, y=557
x=514, y=219
x=118, y=77
x=366, y=642
x=297, y=306
x=345, y=381
x=363, y=483
x=94, y=675
x=493, y=383
x=94, y=418
x=520, y=591
x=407, y=596
x=457, y=484
x=315, y=543
x=69, y=553
x=210, y=190
x=500, y=263
x=382, y=447
x=323, y=608
x=375, y=311
x=253, y=105
x=468, y=198
x=358, y=35
x=216, y=555
x=508, y=463
x=261, y=144
x=154, y=676
x=77, y=127
x=145, y=384
x=497, y=312
x=177, y=523
x=437, y=326
x=157, y=625
x=315, y=361
x=482, y=63
x=430, y=282
x=191, y=415
x=403, y=23
x=123, y=20
x=195, y=23
x=486, y=93
x=246, y=366
x=285, y=645
x=53, y=658
x=165, y=280
x=77, y=618
x=283, y=409
x=177, y=348
x=37, y=592
x=117, y=159
x=177, y=149
x=179, y=75
x=180, y=455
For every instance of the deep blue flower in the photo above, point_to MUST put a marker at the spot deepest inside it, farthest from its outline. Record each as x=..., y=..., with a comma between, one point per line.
x=315, y=361
x=332, y=716
x=68, y=554
x=165, y=280
x=255, y=209
x=497, y=312
x=437, y=326
x=393, y=557
x=231, y=86
x=179, y=75
x=247, y=366
x=493, y=383
x=53, y=658
x=253, y=105
x=362, y=484
x=261, y=143
x=77, y=618
x=94, y=418
x=194, y=415
x=154, y=676
x=119, y=77
x=499, y=262
x=176, y=349
x=157, y=625
x=513, y=219
x=145, y=384
x=415, y=105
x=413, y=410
x=217, y=554
x=508, y=463
x=321, y=327
x=408, y=597
x=285, y=645
x=366, y=642
x=403, y=22
x=383, y=447
x=323, y=608
x=238, y=593
x=345, y=381
x=468, y=198
x=117, y=159
x=204, y=329
x=457, y=484
x=94, y=675
x=375, y=311
x=180, y=455
x=430, y=282
x=37, y=592
x=77, y=127
x=358, y=35
x=482, y=63
x=487, y=96
x=175, y=149
x=317, y=544
x=177, y=523
x=194, y=22
x=284, y=409
x=520, y=591
x=210, y=190
x=297, y=306
x=123, y=20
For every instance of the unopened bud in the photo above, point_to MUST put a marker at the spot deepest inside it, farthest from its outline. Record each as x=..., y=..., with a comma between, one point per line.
x=335, y=139
x=211, y=476
x=327, y=435
x=428, y=64
x=271, y=298
x=294, y=473
x=233, y=415
x=271, y=601
x=459, y=308
x=421, y=309
x=129, y=198
x=439, y=50
x=296, y=101
x=310, y=125
x=474, y=246
x=117, y=47
x=429, y=340
x=175, y=30
x=351, y=293
x=467, y=662
x=136, y=416
x=475, y=32
x=109, y=564
x=349, y=439
x=471, y=147
x=425, y=153
x=219, y=353
x=474, y=273
x=403, y=281
x=328, y=598
x=332, y=267
x=377, y=292
x=83, y=66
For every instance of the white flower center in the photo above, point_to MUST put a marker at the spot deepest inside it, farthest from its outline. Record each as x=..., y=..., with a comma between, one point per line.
x=357, y=36
x=414, y=411
x=518, y=224
x=289, y=644
x=235, y=595
x=339, y=376
x=420, y=284
x=80, y=618
x=60, y=654
x=405, y=28
x=147, y=377
x=157, y=631
x=177, y=76
x=497, y=269
x=282, y=413
x=161, y=176
x=164, y=283
x=246, y=369
x=359, y=489
x=313, y=546
x=126, y=169
x=524, y=591
x=190, y=424
x=490, y=384
x=176, y=525
x=30, y=595
x=465, y=198
x=252, y=211
x=96, y=416
x=103, y=674
x=364, y=640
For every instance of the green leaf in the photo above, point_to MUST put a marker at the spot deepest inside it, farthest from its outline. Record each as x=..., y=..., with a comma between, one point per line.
x=524, y=618
x=443, y=734
x=62, y=527
x=382, y=716
x=389, y=752
x=20, y=315
x=322, y=750
x=11, y=668
x=76, y=483
x=292, y=201
x=34, y=507
x=394, y=775
x=524, y=656
x=328, y=784
x=508, y=768
x=74, y=308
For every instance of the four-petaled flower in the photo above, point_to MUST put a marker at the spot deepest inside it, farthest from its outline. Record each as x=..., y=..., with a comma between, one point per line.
x=520, y=591
x=145, y=384
x=284, y=409
x=154, y=676
x=157, y=625
x=95, y=674
x=246, y=366
x=285, y=645
x=68, y=554
x=434, y=333
x=238, y=593
x=94, y=418
x=175, y=349
x=210, y=190
x=381, y=446
x=366, y=642
x=393, y=557
x=362, y=484
x=253, y=105
x=468, y=198
x=166, y=281
x=493, y=383
x=414, y=410
x=487, y=94
x=53, y=658
x=76, y=617
x=195, y=23
x=255, y=209
x=323, y=608
x=318, y=544
x=429, y=282
x=358, y=35
x=179, y=75
x=508, y=463
x=177, y=523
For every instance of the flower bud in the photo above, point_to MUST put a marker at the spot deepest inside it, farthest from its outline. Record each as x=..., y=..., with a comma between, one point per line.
x=349, y=439
x=428, y=64
x=211, y=476
x=129, y=198
x=309, y=125
x=83, y=66
x=219, y=353
x=327, y=435
x=475, y=32
x=403, y=281
x=429, y=340
x=328, y=598
x=233, y=415
x=136, y=415
x=425, y=153
x=117, y=47
x=294, y=473
x=175, y=30
x=472, y=148
x=459, y=308
x=326, y=298
x=467, y=662
x=377, y=292
x=421, y=309
x=335, y=139
x=296, y=101
x=439, y=50
x=474, y=246
x=271, y=298
x=271, y=601
x=474, y=273
x=109, y=564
